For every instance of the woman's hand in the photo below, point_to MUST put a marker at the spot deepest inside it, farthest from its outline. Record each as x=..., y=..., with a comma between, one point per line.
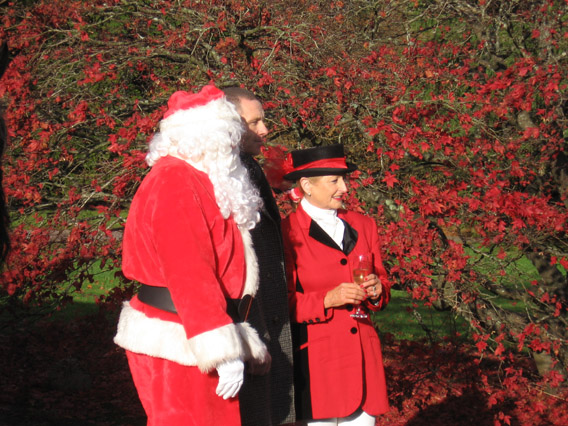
x=372, y=286
x=343, y=294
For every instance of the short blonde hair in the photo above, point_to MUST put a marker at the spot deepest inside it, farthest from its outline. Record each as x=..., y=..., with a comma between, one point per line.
x=311, y=179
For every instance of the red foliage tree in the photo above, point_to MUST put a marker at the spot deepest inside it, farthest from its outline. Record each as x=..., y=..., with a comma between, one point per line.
x=454, y=110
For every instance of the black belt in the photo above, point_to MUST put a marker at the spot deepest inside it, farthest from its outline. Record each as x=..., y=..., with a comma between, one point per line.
x=160, y=297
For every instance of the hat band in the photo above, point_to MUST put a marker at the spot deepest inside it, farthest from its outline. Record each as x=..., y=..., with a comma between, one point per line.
x=326, y=163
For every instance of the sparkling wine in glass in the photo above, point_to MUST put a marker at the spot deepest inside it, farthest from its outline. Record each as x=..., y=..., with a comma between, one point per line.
x=362, y=267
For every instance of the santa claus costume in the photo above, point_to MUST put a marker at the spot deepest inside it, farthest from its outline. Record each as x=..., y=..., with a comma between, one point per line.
x=187, y=242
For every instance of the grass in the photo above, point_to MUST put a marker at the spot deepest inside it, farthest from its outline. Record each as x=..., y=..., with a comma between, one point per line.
x=405, y=321
x=104, y=281
x=84, y=300
x=400, y=318
x=404, y=318
x=515, y=272
x=410, y=320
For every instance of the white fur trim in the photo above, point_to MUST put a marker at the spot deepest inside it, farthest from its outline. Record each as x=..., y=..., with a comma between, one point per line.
x=164, y=339
x=251, y=283
x=256, y=349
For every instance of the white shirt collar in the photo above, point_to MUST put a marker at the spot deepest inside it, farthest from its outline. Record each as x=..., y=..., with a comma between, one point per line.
x=327, y=220
x=317, y=213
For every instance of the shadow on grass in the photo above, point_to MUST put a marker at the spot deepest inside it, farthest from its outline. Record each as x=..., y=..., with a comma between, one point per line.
x=467, y=409
x=66, y=372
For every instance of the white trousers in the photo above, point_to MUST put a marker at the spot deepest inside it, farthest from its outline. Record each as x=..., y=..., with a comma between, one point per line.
x=359, y=418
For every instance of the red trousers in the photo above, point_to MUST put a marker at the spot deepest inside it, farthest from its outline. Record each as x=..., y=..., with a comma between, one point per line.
x=175, y=395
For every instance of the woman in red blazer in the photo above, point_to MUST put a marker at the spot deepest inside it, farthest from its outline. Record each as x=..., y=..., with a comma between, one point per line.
x=339, y=375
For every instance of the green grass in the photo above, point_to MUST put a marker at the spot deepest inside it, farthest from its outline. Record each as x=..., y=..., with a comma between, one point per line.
x=410, y=320
x=403, y=318
x=84, y=300
x=405, y=321
x=400, y=318
x=104, y=281
x=515, y=272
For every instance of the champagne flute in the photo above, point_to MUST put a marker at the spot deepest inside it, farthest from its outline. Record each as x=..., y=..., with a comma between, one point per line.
x=362, y=267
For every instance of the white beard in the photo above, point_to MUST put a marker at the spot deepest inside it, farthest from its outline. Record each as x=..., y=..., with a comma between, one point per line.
x=208, y=138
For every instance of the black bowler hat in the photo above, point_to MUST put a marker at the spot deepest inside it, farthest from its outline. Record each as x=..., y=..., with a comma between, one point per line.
x=319, y=161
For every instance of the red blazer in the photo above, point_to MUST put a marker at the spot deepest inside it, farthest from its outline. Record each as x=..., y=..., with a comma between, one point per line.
x=343, y=354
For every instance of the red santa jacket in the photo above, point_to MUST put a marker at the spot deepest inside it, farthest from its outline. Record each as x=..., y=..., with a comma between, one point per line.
x=343, y=353
x=176, y=237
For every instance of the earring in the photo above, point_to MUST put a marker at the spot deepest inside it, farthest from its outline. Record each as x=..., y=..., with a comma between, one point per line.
x=309, y=194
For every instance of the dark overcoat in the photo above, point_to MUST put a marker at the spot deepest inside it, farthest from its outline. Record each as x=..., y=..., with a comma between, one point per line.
x=339, y=366
x=269, y=399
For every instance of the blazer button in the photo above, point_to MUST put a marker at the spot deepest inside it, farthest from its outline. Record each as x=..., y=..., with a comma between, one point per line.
x=276, y=319
x=343, y=261
x=353, y=330
x=349, y=307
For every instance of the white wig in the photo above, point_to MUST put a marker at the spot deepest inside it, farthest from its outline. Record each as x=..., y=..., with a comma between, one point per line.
x=208, y=138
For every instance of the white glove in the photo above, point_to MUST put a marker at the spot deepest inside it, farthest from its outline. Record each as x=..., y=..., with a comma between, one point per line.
x=230, y=378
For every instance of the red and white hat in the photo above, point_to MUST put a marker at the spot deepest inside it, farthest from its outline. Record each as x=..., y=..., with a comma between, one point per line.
x=182, y=101
x=195, y=123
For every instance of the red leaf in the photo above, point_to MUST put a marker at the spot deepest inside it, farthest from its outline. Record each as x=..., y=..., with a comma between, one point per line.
x=390, y=179
x=531, y=132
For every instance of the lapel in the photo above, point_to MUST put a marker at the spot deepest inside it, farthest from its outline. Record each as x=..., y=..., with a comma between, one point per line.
x=315, y=231
x=320, y=235
x=350, y=237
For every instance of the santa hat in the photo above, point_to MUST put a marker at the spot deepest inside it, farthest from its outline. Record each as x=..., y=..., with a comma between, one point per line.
x=196, y=111
x=194, y=123
x=182, y=100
